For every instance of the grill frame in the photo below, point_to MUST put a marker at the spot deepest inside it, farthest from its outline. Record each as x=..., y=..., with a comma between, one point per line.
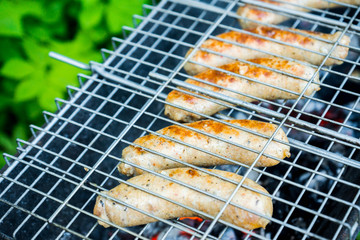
x=81, y=183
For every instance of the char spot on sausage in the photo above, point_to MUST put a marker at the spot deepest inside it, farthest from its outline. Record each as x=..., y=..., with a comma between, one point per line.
x=192, y=172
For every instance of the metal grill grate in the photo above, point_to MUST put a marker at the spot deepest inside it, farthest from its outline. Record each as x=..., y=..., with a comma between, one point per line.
x=49, y=189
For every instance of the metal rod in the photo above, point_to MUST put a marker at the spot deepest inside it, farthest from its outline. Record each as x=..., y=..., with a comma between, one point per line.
x=68, y=60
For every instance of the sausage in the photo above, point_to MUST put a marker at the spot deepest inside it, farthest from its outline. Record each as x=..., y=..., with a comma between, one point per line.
x=260, y=44
x=249, y=12
x=187, y=154
x=242, y=85
x=127, y=217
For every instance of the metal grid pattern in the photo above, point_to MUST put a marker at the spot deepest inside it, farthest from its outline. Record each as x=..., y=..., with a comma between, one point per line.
x=49, y=188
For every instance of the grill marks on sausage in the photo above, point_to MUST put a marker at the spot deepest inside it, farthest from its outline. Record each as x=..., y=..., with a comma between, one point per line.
x=209, y=141
x=251, y=80
x=242, y=45
x=126, y=217
x=246, y=39
x=288, y=37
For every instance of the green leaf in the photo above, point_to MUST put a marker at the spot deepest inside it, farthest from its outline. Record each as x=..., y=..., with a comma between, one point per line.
x=47, y=98
x=62, y=75
x=32, y=112
x=73, y=9
x=10, y=48
x=88, y=3
x=54, y=11
x=81, y=43
x=30, y=88
x=98, y=34
x=59, y=30
x=91, y=15
x=16, y=68
x=10, y=20
x=36, y=29
x=80, y=48
x=12, y=12
x=119, y=15
x=7, y=144
x=2, y=160
x=25, y=91
x=114, y=19
x=20, y=131
x=10, y=26
x=7, y=86
x=36, y=52
x=5, y=101
x=28, y=7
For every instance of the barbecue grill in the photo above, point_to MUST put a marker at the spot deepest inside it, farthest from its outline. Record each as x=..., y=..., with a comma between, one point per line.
x=48, y=189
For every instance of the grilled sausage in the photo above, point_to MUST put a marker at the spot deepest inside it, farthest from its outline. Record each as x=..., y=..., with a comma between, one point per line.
x=261, y=44
x=242, y=85
x=249, y=12
x=187, y=154
x=126, y=217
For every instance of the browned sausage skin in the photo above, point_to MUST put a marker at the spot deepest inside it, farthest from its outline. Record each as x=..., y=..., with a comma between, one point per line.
x=249, y=13
x=245, y=198
x=260, y=44
x=242, y=85
x=155, y=162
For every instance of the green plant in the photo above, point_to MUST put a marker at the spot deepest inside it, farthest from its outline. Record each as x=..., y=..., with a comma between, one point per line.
x=29, y=29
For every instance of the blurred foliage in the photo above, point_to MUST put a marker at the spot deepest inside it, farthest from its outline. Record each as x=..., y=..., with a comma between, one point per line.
x=29, y=29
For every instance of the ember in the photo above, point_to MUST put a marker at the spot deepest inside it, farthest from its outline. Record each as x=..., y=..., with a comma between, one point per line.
x=196, y=219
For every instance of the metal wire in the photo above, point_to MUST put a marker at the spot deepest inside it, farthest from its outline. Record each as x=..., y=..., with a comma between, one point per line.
x=80, y=145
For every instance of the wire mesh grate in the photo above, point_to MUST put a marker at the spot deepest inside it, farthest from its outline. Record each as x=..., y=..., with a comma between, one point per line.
x=50, y=186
